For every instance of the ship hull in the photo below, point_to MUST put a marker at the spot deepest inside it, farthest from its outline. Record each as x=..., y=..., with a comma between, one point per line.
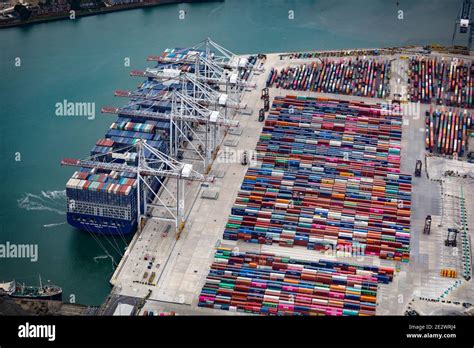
x=35, y=293
x=101, y=225
x=53, y=297
x=108, y=202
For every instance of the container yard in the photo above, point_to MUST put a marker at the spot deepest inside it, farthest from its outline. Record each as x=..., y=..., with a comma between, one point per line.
x=364, y=204
x=442, y=81
x=267, y=284
x=359, y=77
x=317, y=204
x=447, y=132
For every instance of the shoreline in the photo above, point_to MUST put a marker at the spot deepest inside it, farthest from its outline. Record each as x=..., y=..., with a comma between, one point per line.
x=93, y=12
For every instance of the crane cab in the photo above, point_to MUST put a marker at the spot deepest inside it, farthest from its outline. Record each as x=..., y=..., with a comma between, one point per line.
x=463, y=25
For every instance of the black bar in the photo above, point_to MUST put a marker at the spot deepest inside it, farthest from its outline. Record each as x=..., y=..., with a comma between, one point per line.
x=243, y=330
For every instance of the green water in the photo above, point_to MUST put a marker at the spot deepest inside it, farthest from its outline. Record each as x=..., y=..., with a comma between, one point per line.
x=83, y=61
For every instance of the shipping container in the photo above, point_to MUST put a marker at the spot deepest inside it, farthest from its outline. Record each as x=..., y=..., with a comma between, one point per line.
x=326, y=181
x=361, y=77
x=447, y=131
x=443, y=81
x=268, y=284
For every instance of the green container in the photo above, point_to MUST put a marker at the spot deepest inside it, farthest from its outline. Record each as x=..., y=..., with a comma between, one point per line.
x=390, y=238
x=269, y=304
x=226, y=285
x=349, y=312
x=369, y=292
x=232, y=225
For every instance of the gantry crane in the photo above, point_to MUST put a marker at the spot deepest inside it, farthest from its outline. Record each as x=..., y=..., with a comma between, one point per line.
x=221, y=57
x=196, y=99
x=463, y=21
x=201, y=93
x=160, y=167
x=215, y=69
x=185, y=114
x=233, y=84
x=192, y=86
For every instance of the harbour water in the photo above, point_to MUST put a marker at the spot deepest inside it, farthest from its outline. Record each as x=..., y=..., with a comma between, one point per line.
x=85, y=60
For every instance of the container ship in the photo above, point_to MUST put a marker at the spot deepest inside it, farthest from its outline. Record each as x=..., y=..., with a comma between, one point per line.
x=104, y=201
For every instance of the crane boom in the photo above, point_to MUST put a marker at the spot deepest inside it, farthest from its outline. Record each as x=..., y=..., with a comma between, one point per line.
x=183, y=173
x=160, y=96
x=163, y=116
x=466, y=9
x=160, y=75
x=164, y=60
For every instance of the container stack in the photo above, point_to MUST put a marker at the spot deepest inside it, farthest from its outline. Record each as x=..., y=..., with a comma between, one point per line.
x=447, y=131
x=245, y=67
x=104, y=187
x=271, y=285
x=320, y=210
x=134, y=126
x=343, y=53
x=126, y=131
x=271, y=77
x=178, y=58
x=323, y=129
x=440, y=81
x=359, y=77
x=322, y=185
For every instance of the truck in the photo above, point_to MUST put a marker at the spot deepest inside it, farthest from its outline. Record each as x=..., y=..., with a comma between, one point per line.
x=418, y=168
x=266, y=104
x=470, y=157
x=451, y=240
x=427, y=228
x=244, y=160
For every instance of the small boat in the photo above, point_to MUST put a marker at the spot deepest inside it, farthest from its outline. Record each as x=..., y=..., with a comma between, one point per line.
x=41, y=292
